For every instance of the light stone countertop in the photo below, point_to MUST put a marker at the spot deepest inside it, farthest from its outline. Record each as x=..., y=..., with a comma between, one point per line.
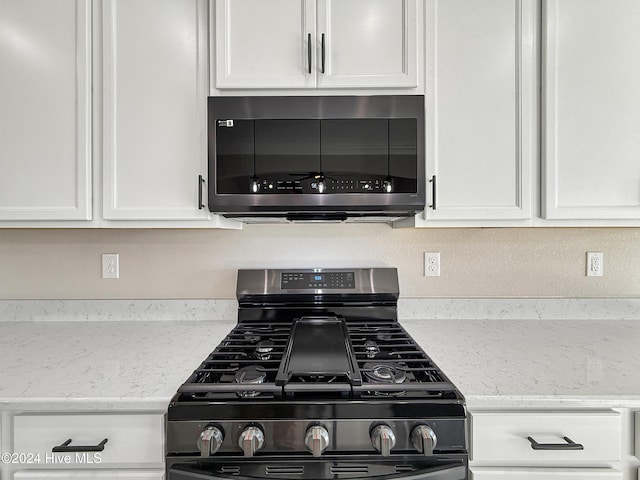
x=138, y=365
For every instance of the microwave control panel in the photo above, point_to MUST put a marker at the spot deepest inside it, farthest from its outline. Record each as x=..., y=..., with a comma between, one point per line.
x=311, y=185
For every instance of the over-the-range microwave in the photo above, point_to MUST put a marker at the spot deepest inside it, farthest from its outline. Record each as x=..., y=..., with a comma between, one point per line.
x=316, y=158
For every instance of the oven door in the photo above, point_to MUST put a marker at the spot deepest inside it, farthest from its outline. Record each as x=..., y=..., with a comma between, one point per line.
x=436, y=468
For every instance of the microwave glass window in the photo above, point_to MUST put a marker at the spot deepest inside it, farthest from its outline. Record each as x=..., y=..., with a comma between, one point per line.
x=234, y=155
x=403, y=154
x=354, y=146
x=286, y=154
x=287, y=148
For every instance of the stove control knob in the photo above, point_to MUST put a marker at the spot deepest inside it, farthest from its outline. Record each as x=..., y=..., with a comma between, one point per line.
x=424, y=439
x=210, y=441
x=316, y=440
x=251, y=440
x=383, y=439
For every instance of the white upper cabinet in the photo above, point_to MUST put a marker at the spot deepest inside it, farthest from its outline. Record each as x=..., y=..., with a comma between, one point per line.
x=367, y=43
x=155, y=121
x=480, y=112
x=591, y=109
x=293, y=44
x=265, y=43
x=45, y=110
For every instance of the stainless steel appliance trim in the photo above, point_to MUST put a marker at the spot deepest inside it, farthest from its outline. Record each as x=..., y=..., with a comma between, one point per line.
x=319, y=107
x=367, y=281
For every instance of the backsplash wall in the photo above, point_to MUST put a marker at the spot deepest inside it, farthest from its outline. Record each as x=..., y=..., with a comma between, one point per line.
x=489, y=262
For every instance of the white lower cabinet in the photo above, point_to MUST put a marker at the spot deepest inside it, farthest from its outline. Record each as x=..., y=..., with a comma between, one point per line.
x=126, y=446
x=487, y=473
x=504, y=437
x=90, y=475
x=539, y=444
x=129, y=438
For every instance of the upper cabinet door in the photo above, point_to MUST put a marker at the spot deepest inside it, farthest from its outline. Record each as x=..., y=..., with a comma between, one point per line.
x=480, y=112
x=155, y=97
x=265, y=43
x=45, y=105
x=367, y=43
x=591, y=109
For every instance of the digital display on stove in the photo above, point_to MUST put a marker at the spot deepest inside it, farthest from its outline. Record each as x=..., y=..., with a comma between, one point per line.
x=314, y=281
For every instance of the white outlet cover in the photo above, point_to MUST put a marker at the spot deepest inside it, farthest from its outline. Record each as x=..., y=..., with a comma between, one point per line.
x=595, y=264
x=110, y=265
x=431, y=264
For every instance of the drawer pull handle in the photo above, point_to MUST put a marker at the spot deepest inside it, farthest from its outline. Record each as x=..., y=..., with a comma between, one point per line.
x=570, y=445
x=65, y=447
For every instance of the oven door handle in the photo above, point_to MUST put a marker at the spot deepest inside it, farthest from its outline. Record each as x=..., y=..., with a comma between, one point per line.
x=450, y=472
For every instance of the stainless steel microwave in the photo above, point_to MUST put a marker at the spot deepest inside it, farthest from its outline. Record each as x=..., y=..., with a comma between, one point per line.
x=316, y=158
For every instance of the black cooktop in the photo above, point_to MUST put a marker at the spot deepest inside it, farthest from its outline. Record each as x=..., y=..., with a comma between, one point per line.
x=317, y=357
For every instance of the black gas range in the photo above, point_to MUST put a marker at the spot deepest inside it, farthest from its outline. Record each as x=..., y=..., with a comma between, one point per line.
x=318, y=380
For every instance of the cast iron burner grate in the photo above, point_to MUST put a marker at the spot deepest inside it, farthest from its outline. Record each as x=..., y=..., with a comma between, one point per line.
x=334, y=358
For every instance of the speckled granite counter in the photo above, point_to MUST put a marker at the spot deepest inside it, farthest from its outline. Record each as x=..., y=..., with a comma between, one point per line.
x=100, y=365
x=495, y=363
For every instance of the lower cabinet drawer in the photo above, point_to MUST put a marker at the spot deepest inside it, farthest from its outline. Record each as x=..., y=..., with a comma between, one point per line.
x=136, y=438
x=503, y=437
x=545, y=474
x=90, y=475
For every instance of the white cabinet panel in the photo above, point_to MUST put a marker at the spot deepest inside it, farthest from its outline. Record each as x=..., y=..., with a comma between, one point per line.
x=591, y=109
x=135, y=438
x=503, y=436
x=265, y=44
x=155, y=90
x=480, y=112
x=367, y=43
x=91, y=475
x=544, y=474
x=45, y=120
x=292, y=44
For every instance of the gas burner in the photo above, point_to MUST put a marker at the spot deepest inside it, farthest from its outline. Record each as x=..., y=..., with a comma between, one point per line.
x=372, y=348
x=263, y=350
x=251, y=337
x=251, y=374
x=384, y=373
x=384, y=336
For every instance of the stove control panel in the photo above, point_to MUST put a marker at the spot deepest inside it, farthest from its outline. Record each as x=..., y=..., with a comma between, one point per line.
x=317, y=280
x=318, y=437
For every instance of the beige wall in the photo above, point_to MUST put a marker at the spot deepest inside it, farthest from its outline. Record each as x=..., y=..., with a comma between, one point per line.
x=533, y=262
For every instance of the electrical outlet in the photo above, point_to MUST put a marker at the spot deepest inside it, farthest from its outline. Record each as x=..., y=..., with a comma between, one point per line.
x=431, y=264
x=110, y=265
x=595, y=264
